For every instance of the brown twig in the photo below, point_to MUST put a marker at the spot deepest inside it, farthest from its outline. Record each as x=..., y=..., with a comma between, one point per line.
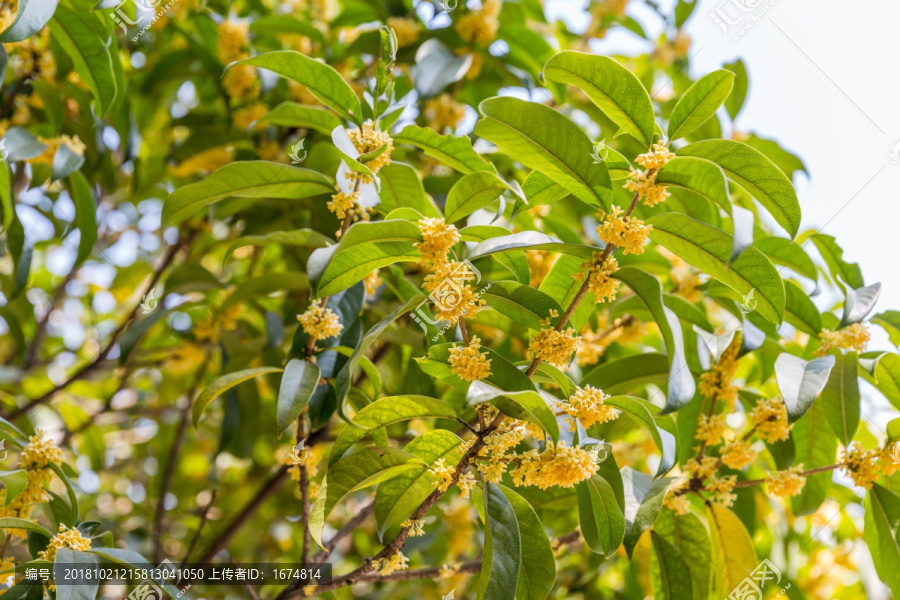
x=204, y=517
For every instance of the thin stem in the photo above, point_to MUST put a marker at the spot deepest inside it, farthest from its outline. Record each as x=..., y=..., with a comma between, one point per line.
x=304, y=489
x=204, y=517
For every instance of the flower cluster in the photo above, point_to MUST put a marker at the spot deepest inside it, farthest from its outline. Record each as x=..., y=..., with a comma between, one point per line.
x=852, y=337
x=559, y=465
x=320, y=323
x=623, y=231
x=716, y=384
x=437, y=239
x=769, y=420
x=393, y=563
x=73, y=143
x=552, y=346
x=676, y=498
x=539, y=264
x=786, y=483
x=861, y=465
x=406, y=29
x=369, y=139
x=444, y=113
x=481, y=25
x=233, y=44
x=599, y=276
x=454, y=297
x=35, y=458
x=66, y=538
x=468, y=362
x=588, y=406
x=355, y=192
x=737, y=454
x=711, y=429
x=643, y=183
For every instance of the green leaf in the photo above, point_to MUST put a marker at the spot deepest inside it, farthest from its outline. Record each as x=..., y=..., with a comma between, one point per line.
x=85, y=215
x=665, y=440
x=801, y=382
x=859, y=303
x=669, y=572
x=344, y=377
x=320, y=79
x=629, y=373
x=882, y=508
x=601, y=519
x=297, y=386
x=6, y=204
x=889, y=320
x=262, y=286
x=526, y=405
x=502, y=547
x=246, y=179
x=401, y=187
x=384, y=412
x=366, y=246
x=88, y=53
x=516, y=262
x=759, y=176
x=734, y=552
x=541, y=138
x=709, y=249
x=700, y=102
x=223, y=384
x=65, y=162
x=541, y=190
x=31, y=17
x=521, y=303
x=787, y=254
x=357, y=471
x=887, y=378
x=815, y=446
x=294, y=237
x=455, y=152
x=698, y=175
x=13, y=482
x=688, y=534
x=735, y=102
x=843, y=272
x=473, y=191
x=396, y=499
x=840, y=398
x=15, y=523
x=291, y=114
x=643, y=501
x=70, y=492
x=530, y=240
x=799, y=310
x=537, y=571
x=67, y=559
x=616, y=90
x=504, y=374
x=129, y=558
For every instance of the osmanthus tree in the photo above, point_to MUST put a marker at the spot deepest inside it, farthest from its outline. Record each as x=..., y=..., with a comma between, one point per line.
x=517, y=321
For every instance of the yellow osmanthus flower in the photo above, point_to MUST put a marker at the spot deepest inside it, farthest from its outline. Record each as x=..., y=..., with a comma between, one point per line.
x=588, y=406
x=454, y=297
x=711, y=429
x=657, y=158
x=320, y=323
x=39, y=453
x=407, y=30
x=853, y=337
x=599, y=276
x=437, y=239
x=342, y=204
x=468, y=362
x=466, y=482
x=559, y=465
x=703, y=468
x=786, y=483
x=737, y=454
x=676, y=498
x=716, y=383
x=552, y=346
x=372, y=282
x=32, y=59
x=623, y=231
x=371, y=138
x=481, y=25
x=66, y=538
x=721, y=490
x=889, y=465
x=444, y=112
x=643, y=183
x=35, y=458
x=417, y=527
x=444, y=474
x=770, y=419
x=234, y=41
x=211, y=326
x=393, y=563
x=8, y=14
x=460, y=527
x=449, y=570
x=827, y=567
x=539, y=264
x=240, y=87
x=861, y=465
x=73, y=143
